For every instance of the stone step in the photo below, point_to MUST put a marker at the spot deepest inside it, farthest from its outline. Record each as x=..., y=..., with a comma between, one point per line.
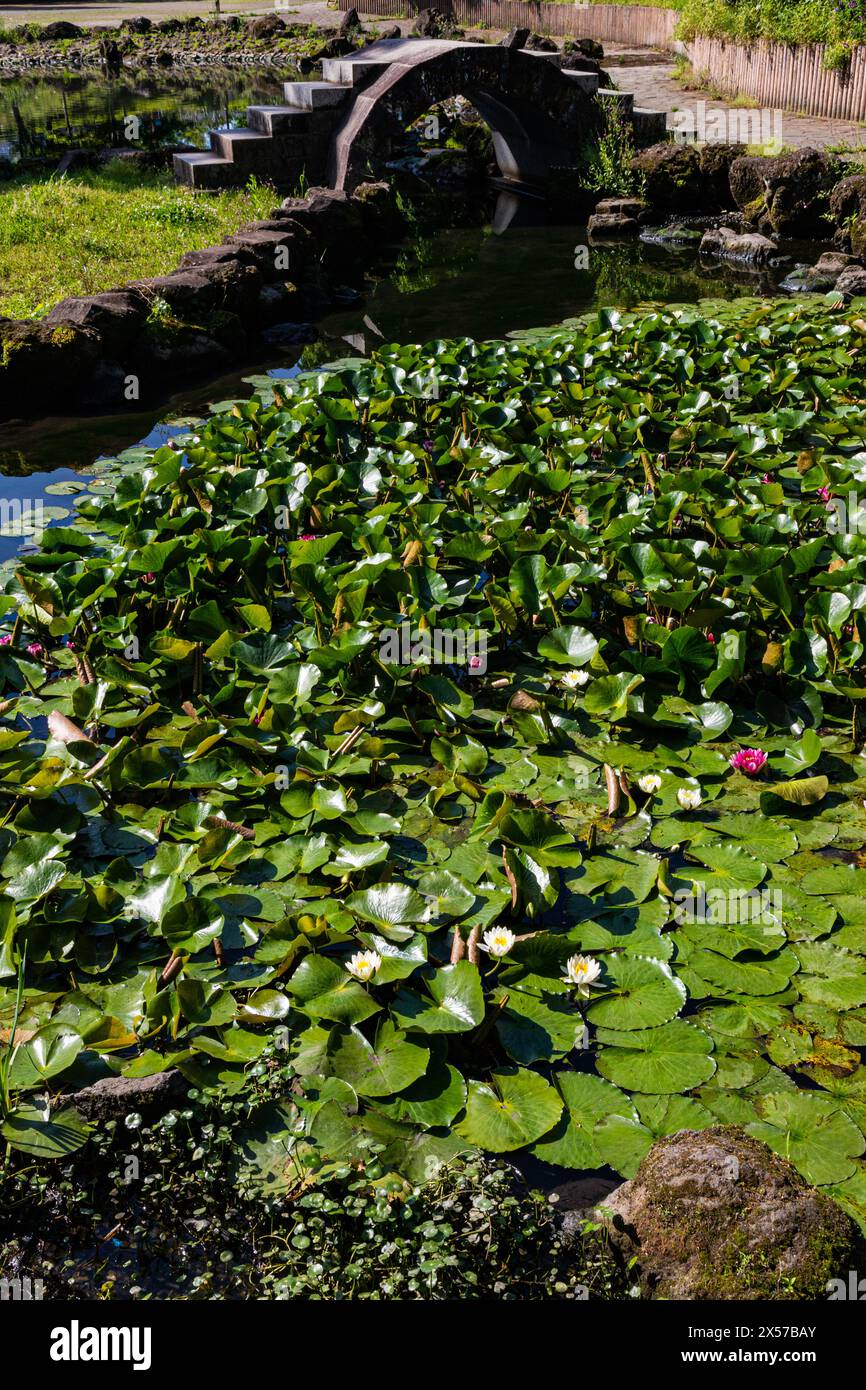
x=649, y=126
x=624, y=100
x=586, y=81
x=207, y=171
x=312, y=96
x=348, y=72
x=254, y=152
x=277, y=120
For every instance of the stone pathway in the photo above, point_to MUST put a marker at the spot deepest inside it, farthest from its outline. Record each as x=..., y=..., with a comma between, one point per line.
x=653, y=86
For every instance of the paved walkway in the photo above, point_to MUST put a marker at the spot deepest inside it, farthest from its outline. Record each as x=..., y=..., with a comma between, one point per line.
x=653, y=86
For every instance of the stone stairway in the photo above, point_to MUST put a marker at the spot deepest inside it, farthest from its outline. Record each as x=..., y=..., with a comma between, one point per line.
x=284, y=143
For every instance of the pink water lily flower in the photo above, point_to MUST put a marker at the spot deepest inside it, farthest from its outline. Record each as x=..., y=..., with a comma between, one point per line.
x=748, y=760
x=5, y=639
x=309, y=536
x=35, y=649
x=824, y=494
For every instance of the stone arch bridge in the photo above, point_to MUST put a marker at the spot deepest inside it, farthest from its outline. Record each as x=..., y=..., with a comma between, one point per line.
x=342, y=129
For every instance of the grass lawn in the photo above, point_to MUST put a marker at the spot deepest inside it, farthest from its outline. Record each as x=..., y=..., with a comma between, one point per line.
x=97, y=230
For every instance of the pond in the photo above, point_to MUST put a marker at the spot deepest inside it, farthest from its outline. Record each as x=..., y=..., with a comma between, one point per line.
x=469, y=281
x=43, y=115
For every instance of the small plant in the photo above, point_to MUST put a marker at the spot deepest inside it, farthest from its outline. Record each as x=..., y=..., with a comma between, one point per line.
x=610, y=167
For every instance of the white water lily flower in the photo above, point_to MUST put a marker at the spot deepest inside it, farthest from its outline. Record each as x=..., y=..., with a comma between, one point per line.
x=650, y=782
x=364, y=964
x=573, y=680
x=498, y=941
x=582, y=971
x=689, y=798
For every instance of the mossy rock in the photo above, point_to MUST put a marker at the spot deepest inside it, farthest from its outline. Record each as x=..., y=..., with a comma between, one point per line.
x=715, y=1214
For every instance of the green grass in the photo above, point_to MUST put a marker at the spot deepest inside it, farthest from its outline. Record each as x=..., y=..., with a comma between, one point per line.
x=97, y=230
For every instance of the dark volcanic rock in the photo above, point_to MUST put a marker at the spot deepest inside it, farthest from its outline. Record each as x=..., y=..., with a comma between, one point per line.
x=715, y=1214
x=114, y=1097
x=61, y=29
x=674, y=182
x=266, y=26
x=747, y=248
x=515, y=38
x=788, y=194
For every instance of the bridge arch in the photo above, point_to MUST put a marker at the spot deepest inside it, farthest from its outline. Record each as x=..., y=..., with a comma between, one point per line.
x=538, y=116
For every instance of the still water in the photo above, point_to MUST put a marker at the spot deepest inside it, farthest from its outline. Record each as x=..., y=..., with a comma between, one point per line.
x=45, y=115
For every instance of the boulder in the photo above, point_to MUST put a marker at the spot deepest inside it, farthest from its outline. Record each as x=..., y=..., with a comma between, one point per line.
x=186, y=291
x=390, y=31
x=851, y=282
x=715, y=159
x=622, y=207
x=590, y=48
x=715, y=1214
x=431, y=24
x=848, y=212
x=515, y=38
x=349, y=23
x=808, y=279
x=673, y=179
x=117, y=316
x=33, y=353
x=847, y=198
x=265, y=26
x=140, y=24
x=787, y=194
x=61, y=29
x=834, y=262
x=745, y=248
x=607, y=224
x=539, y=43
x=675, y=235
x=115, y=1097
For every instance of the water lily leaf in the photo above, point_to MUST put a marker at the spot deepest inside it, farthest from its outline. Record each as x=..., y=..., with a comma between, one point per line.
x=642, y=993
x=323, y=989
x=766, y=976
x=535, y=1030
x=623, y=1143
x=669, y=1114
x=51, y=1050
x=588, y=1099
x=37, y=1129
x=432, y=1101
x=725, y=867
x=513, y=1110
x=672, y=1058
x=805, y=791
x=609, y=696
x=812, y=1132
x=393, y=905
x=383, y=1067
x=456, y=1004
x=568, y=646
